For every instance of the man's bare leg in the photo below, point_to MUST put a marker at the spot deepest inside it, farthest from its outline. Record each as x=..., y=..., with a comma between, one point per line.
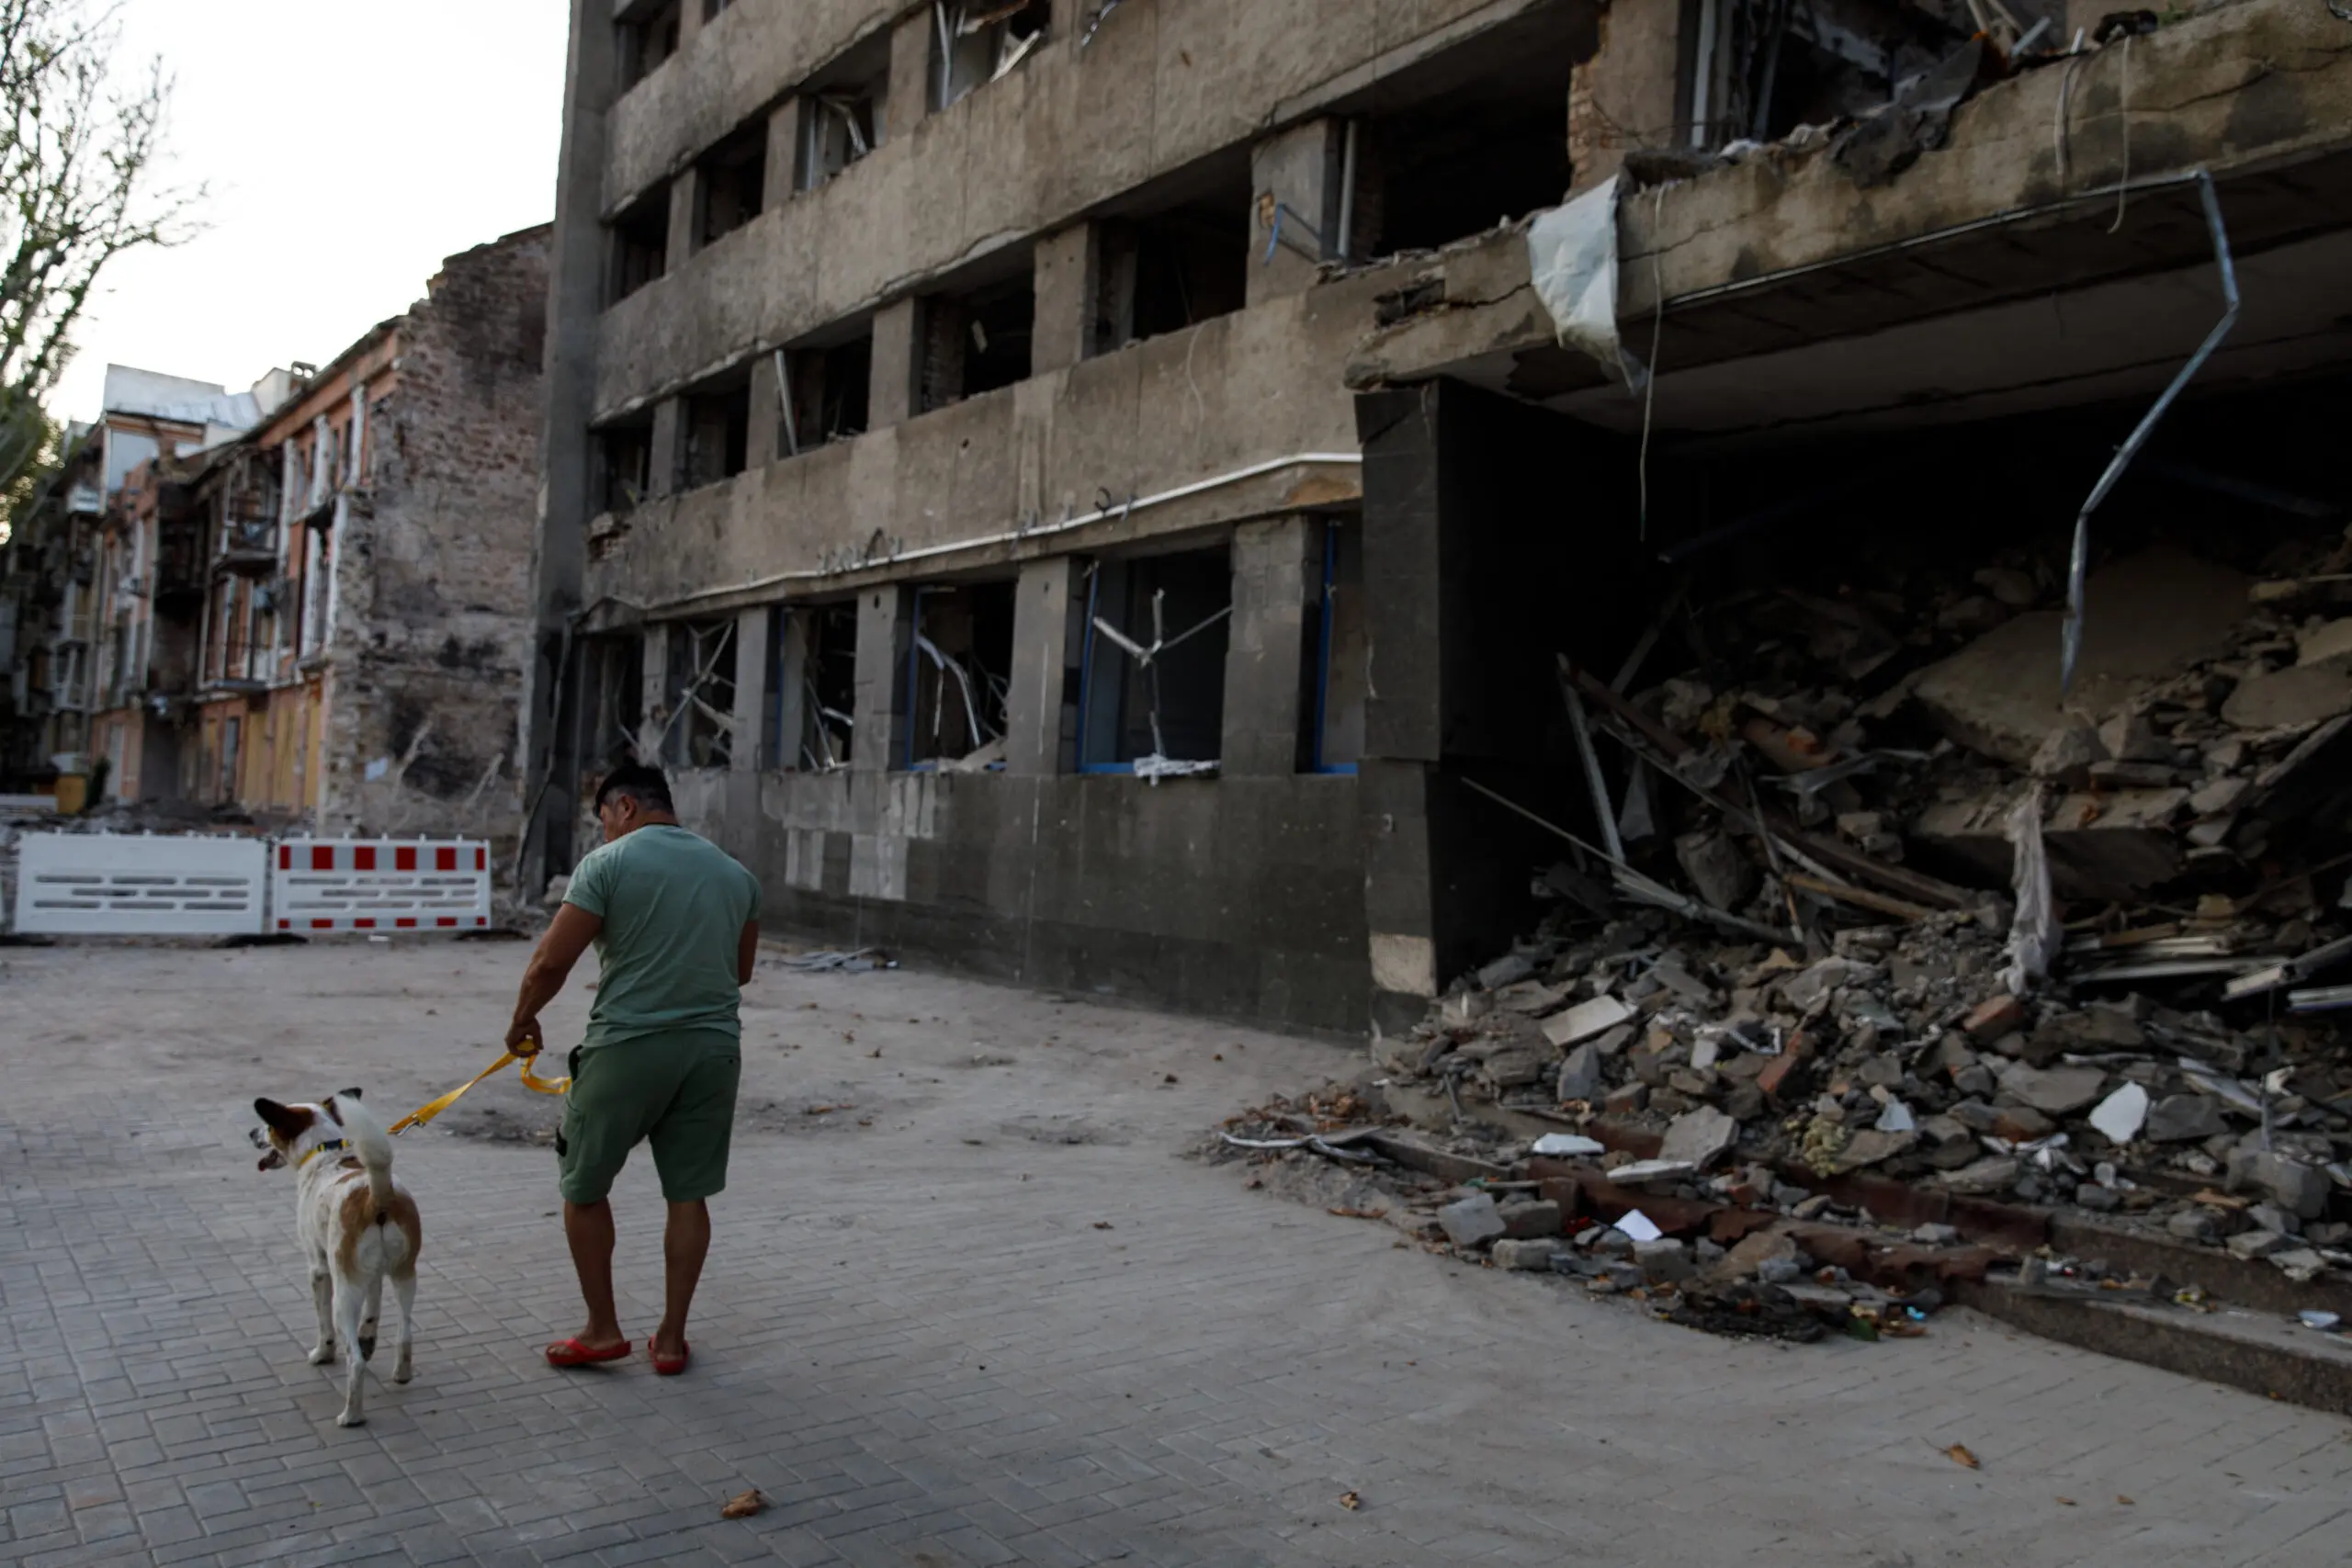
x=686, y=1242
x=589, y=1228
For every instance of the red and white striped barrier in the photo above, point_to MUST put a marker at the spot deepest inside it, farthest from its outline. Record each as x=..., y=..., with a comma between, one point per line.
x=363, y=884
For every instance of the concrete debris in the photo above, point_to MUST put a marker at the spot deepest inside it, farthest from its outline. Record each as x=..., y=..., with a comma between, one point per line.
x=1473, y=1220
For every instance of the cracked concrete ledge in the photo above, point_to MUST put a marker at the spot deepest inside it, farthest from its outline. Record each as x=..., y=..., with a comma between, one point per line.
x=2253, y=86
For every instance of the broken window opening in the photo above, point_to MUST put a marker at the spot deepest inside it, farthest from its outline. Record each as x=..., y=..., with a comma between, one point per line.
x=1458, y=165
x=641, y=245
x=614, y=669
x=957, y=677
x=978, y=42
x=623, y=477
x=826, y=395
x=828, y=680
x=1168, y=271
x=647, y=40
x=976, y=342
x=1758, y=74
x=731, y=183
x=717, y=434
x=698, y=727
x=1342, y=653
x=1152, y=684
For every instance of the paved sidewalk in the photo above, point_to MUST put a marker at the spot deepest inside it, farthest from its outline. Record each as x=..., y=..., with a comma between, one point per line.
x=980, y=1312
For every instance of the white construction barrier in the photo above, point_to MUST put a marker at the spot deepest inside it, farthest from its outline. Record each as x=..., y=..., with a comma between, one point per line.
x=109, y=884
x=364, y=885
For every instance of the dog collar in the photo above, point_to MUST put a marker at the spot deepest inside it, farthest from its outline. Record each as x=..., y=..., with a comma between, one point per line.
x=315, y=1151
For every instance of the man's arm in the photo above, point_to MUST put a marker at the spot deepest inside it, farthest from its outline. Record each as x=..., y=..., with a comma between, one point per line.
x=747, y=953
x=573, y=929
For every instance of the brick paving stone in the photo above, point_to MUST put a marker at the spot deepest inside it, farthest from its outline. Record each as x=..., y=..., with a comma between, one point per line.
x=924, y=1353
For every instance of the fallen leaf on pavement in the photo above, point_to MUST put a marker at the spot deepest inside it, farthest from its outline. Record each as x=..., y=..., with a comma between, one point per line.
x=1959, y=1454
x=744, y=1505
x=2122, y=1499
x=1351, y=1502
x=1103, y=1224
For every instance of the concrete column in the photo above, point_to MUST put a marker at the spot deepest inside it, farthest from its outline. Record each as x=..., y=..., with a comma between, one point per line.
x=1298, y=169
x=791, y=699
x=1040, y=710
x=655, y=733
x=894, y=397
x=576, y=271
x=684, y=208
x=764, y=442
x=1267, y=672
x=669, y=446
x=886, y=624
x=750, y=687
x=913, y=54
x=1631, y=92
x=1065, y=283
x=781, y=174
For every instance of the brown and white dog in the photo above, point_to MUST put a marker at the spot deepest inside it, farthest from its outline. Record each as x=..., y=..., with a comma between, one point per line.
x=357, y=1226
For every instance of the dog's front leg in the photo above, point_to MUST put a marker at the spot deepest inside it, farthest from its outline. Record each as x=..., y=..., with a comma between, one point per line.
x=350, y=1302
x=322, y=1296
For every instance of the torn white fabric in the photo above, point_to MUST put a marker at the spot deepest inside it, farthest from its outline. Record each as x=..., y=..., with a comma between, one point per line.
x=1572, y=258
x=2034, y=932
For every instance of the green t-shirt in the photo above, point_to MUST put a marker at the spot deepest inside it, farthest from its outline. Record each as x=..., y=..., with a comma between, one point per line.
x=675, y=905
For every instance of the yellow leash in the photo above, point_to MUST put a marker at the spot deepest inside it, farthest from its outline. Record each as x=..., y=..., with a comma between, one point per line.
x=531, y=1081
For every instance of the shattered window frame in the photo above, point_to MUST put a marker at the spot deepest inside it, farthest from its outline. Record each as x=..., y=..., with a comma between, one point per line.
x=1127, y=614
x=983, y=695
x=976, y=42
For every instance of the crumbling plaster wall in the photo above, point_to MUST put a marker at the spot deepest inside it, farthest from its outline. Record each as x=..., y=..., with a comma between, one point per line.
x=1233, y=897
x=1240, y=389
x=432, y=629
x=1162, y=86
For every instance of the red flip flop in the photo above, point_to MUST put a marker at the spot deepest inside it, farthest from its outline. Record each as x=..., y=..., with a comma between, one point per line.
x=571, y=1353
x=670, y=1366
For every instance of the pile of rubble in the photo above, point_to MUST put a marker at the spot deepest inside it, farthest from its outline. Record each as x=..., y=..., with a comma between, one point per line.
x=1890, y=904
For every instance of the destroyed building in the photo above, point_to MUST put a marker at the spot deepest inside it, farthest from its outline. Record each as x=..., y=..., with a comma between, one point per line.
x=307, y=610
x=100, y=584
x=370, y=548
x=1115, y=496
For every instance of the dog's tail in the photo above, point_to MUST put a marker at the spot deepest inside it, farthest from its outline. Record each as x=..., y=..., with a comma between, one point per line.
x=373, y=1144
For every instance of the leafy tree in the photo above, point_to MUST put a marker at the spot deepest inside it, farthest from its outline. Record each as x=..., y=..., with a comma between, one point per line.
x=78, y=188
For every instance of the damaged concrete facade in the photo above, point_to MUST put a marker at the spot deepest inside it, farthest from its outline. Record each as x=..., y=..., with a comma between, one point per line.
x=966, y=508
x=861, y=495
x=366, y=547
x=1865, y=362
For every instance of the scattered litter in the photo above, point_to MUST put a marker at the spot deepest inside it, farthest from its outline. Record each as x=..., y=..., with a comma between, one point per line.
x=1638, y=1225
x=743, y=1504
x=2325, y=1322
x=1958, y=1453
x=857, y=962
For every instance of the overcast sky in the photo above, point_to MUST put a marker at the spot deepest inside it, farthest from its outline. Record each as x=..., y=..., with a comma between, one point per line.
x=348, y=148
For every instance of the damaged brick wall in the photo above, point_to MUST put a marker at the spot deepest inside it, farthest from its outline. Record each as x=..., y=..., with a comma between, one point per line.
x=432, y=632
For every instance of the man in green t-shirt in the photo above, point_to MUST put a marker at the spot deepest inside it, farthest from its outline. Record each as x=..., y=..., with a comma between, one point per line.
x=676, y=921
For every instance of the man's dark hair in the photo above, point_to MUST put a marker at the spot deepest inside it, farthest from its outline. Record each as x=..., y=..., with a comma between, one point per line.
x=640, y=782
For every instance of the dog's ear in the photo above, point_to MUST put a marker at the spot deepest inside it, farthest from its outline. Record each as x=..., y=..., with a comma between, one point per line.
x=271, y=1161
x=283, y=1120
x=346, y=1094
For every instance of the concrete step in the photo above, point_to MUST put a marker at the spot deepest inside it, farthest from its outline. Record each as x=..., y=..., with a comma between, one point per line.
x=2260, y=1352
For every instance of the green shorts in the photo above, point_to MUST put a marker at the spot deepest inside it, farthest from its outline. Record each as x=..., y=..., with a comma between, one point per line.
x=676, y=1091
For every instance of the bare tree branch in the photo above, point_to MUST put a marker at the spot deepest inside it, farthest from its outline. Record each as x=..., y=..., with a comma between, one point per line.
x=78, y=188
